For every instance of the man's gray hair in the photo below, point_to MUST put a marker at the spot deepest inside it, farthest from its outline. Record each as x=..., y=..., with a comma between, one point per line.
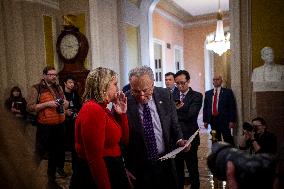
x=140, y=71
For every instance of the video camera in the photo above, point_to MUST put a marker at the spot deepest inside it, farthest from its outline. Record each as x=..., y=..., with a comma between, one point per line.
x=251, y=171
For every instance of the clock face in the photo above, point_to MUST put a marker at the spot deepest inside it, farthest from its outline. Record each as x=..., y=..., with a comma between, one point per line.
x=69, y=46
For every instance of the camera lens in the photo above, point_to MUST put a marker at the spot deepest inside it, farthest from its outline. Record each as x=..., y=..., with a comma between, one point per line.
x=60, y=107
x=216, y=159
x=256, y=171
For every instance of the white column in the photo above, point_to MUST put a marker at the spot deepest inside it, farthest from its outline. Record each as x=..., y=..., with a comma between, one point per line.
x=94, y=33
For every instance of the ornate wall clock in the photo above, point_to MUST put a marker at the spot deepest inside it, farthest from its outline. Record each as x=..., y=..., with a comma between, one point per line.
x=72, y=49
x=72, y=46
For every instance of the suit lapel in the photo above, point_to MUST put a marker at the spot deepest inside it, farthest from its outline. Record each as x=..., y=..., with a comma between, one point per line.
x=176, y=95
x=211, y=94
x=221, y=97
x=160, y=105
x=133, y=112
x=187, y=96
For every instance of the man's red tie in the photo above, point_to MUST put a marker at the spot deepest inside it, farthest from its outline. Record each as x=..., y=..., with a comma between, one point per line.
x=215, y=111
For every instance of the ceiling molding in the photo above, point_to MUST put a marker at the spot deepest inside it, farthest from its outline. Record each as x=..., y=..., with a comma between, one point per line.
x=205, y=19
x=169, y=16
x=203, y=22
x=173, y=12
x=194, y=21
x=174, y=9
x=49, y=3
x=201, y=7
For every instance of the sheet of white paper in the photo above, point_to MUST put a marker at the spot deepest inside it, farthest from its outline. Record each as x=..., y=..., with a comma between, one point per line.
x=173, y=153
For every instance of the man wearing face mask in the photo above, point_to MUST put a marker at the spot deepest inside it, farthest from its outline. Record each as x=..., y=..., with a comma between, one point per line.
x=153, y=131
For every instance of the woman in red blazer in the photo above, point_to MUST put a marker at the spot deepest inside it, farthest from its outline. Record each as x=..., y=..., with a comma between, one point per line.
x=99, y=133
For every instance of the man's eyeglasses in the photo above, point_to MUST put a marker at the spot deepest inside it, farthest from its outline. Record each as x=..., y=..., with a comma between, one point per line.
x=182, y=83
x=52, y=75
x=146, y=92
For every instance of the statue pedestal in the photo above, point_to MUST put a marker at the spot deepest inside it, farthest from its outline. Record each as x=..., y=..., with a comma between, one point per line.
x=270, y=106
x=268, y=86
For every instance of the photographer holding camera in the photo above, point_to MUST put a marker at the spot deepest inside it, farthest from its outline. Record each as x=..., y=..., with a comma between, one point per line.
x=257, y=138
x=47, y=100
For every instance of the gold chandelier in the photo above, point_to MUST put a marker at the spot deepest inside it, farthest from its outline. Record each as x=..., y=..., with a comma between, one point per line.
x=219, y=43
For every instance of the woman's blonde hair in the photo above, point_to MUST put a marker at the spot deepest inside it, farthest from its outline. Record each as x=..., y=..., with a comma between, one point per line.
x=97, y=83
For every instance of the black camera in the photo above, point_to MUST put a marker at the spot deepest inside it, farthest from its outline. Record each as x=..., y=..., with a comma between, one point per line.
x=73, y=109
x=251, y=171
x=60, y=107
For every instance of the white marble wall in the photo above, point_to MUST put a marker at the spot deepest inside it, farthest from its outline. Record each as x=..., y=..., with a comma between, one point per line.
x=22, y=57
x=3, y=59
x=104, y=34
x=136, y=16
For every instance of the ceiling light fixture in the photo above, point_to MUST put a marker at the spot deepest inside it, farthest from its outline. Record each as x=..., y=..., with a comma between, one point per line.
x=219, y=43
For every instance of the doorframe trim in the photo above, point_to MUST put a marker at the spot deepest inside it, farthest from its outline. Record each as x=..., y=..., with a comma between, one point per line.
x=164, y=65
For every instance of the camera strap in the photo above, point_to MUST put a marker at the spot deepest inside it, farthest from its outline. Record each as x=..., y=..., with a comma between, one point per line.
x=53, y=93
x=38, y=93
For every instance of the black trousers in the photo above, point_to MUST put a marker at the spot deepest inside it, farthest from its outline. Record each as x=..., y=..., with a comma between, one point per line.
x=191, y=160
x=50, y=139
x=70, y=140
x=69, y=134
x=116, y=172
x=222, y=129
x=157, y=174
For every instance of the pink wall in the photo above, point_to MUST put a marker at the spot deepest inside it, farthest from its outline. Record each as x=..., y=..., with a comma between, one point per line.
x=194, y=39
x=167, y=32
x=191, y=39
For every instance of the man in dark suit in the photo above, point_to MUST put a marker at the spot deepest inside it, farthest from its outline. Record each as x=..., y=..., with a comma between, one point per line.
x=220, y=110
x=153, y=132
x=188, y=104
x=170, y=82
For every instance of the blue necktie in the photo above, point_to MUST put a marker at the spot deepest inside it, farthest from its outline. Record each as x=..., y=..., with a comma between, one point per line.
x=152, y=150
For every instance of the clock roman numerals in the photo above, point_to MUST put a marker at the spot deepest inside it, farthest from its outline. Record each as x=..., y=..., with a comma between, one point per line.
x=69, y=46
x=72, y=46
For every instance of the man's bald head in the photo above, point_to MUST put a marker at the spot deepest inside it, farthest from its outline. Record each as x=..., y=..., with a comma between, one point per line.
x=217, y=81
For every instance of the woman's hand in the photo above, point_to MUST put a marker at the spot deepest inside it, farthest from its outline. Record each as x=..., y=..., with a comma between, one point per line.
x=120, y=104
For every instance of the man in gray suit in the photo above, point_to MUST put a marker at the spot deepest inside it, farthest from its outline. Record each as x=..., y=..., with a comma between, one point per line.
x=153, y=132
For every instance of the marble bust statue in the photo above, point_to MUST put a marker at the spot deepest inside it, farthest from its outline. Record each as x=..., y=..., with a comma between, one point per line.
x=270, y=76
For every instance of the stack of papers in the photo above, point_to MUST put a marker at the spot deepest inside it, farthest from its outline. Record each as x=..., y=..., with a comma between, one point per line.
x=173, y=153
